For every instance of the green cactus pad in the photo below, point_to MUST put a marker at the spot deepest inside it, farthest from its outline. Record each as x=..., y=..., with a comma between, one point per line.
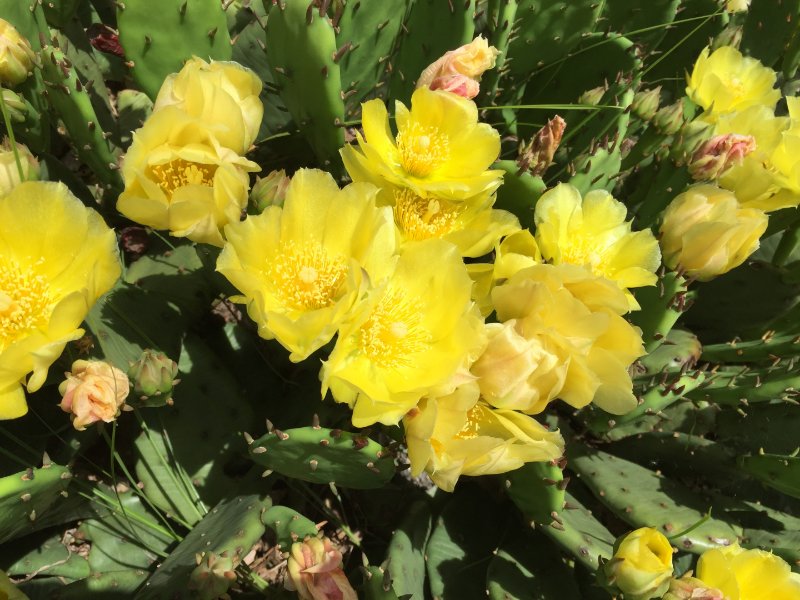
x=519, y=191
x=109, y=584
x=288, y=525
x=159, y=46
x=322, y=455
x=780, y=19
x=781, y=472
x=27, y=495
x=405, y=558
x=538, y=491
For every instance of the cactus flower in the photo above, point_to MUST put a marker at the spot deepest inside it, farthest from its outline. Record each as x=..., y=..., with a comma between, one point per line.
x=302, y=267
x=9, y=173
x=440, y=148
x=16, y=55
x=719, y=154
x=724, y=81
x=269, y=190
x=592, y=232
x=691, y=588
x=224, y=95
x=459, y=71
x=734, y=6
x=706, y=232
x=409, y=337
x=641, y=567
x=179, y=177
x=93, y=391
x=575, y=319
x=57, y=257
x=748, y=574
x=314, y=571
x=153, y=377
x=458, y=434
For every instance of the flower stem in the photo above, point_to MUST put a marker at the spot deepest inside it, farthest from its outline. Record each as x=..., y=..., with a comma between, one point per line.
x=10, y=130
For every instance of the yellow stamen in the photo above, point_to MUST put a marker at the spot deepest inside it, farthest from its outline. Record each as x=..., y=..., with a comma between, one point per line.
x=179, y=173
x=25, y=302
x=422, y=149
x=473, y=425
x=424, y=218
x=307, y=277
x=393, y=332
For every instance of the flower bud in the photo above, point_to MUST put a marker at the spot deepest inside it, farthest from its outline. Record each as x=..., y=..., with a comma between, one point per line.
x=731, y=36
x=641, y=567
x=459, y=70
x=689, y=588
x=9, y=172
x=707, y=233
x=213, y=575
x=537, y=156
x=669, y=119
x=16, y=55
x=734, y=6
x=17, y=109
x=269, y=190
x=153, y=378
x=645, y=103
x=719, y=154
x=593, y=96
x=93, y=391
x=315, y=572
x=691, y=136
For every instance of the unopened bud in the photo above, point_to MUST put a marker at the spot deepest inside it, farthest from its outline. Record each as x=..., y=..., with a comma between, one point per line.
x=537, y=156
x=593, y=96
x=9, y=171
x=16, y=55
x=17, y=109
x=730, y=36
x=719, y=154
x=154, y=377
x=269, y=190
x=645, y=103
x=691, y=137
x=669, y=119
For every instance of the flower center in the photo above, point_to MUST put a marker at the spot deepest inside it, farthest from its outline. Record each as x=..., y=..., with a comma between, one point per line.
x=475, y=416
x=424, y=218
x=179, y=173
x=393, y=332
x=422, y=149
x=307, y=277
x=24, y=302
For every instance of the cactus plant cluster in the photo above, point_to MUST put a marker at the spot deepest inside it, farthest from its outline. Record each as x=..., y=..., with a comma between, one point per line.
x=230, y=468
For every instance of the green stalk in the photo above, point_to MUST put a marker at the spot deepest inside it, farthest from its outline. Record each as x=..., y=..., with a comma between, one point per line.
x=10, y=130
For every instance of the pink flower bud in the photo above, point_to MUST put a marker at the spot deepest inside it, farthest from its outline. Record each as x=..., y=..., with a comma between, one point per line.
x=719, y=154
x=459, y=70
x=93, y=391
x=315, y=572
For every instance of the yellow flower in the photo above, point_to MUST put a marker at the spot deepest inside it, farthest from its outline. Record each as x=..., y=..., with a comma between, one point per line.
x=408, y=339
x=301, y=268
x=222, y=95
x=734, y=6
x=724, y=81
x=16, y=55
x=472, y=225
x=458, y=434
x=593, y=233
x=179, y=177
x=786, y=159
x=748, y=574
x=9, y=591
x=440, y=149
x=707, y=233
x=642, y=564
x=93, y=391
x=573, y=319
x=9, y=173
x=516, y=252
x=314, y=571
x=56, y=259
x=459, y=70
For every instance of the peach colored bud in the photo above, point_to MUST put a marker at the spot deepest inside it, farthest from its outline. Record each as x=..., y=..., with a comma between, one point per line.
x=719, y=154
x=689, y=588
x=459, y=70
x=93, y=391
x=537, y=156
x=315, y=572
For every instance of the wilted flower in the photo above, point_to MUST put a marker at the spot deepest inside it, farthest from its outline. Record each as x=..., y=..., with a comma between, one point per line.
x=301, y=268
x=57, y=257
x=315, y=572
x=724, y=81
x=270, y=190
x=537, y=156
x=707, y=233
x=592, y=232
x=93, y=391
x=748, y=574
x=691, y=588
x=16, y=55
x=179, y=177
x=9, y=173
x=153, y=376
x=409, y=338
x=458, y=434
x=460, y=70
x=645, y=103
x=642, y=564
x=719, y=154
x=440, y=148
x=224, y=96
